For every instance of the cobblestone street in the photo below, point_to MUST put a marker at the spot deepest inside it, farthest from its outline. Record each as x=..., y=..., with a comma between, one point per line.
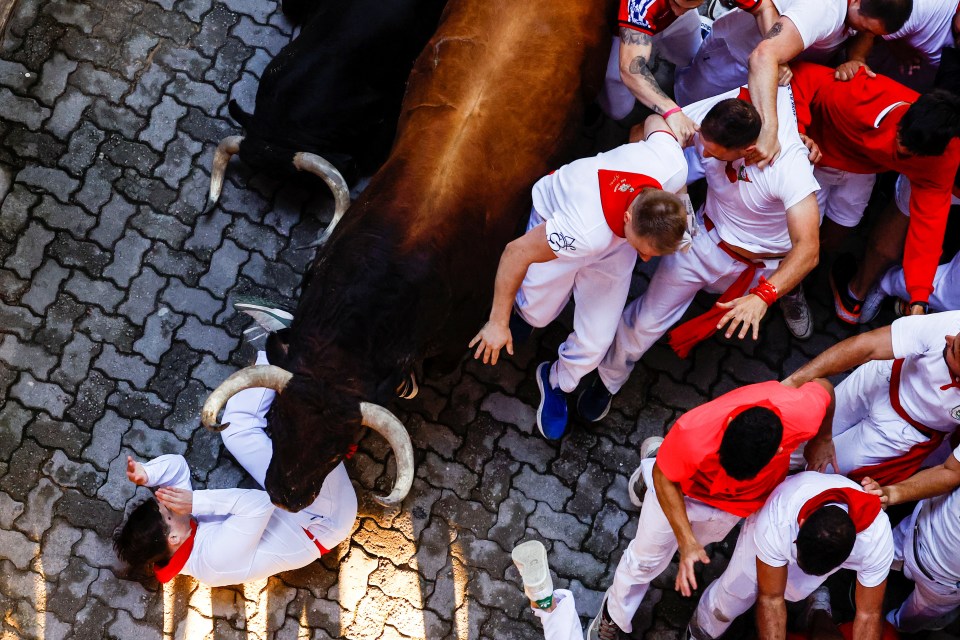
x=116, y=321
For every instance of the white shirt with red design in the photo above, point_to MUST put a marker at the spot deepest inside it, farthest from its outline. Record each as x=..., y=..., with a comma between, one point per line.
x=654, y=16
x=571, y=199
x=927, y=391
x=750, y=211
x=777, y=529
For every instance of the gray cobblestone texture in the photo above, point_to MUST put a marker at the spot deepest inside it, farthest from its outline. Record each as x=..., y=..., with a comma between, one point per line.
x=116, y=321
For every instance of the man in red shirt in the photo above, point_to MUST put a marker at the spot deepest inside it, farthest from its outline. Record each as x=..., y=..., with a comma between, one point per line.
x=717, y=464
x=872, y=124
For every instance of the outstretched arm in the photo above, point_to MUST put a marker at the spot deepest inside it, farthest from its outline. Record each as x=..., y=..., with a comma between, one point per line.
x=636, y=50
x=771, y=606
x=517, y=257
x=928, y=483
x=691, y=551
x=852, y=352
x=868, y=622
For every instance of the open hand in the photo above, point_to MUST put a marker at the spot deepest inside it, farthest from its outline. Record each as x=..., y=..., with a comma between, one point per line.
x=490, y=340
x=848, y=69
x=682, y=127
x=177, y=500
x=135, y=472
x=820, y=453
x=686, y=582
x=744, y=312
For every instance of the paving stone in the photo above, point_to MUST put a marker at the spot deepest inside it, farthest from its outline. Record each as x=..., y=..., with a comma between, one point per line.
x=207, y=339
x=107, y=436
x=535, y=451
x=16, y=76
x=14, y=211
x=178, y=161
x=110, y=117
x=78, y=15
x=67, y=112
x=224, y=267
x=127, y=259
x=17, y=548
x=188, y=60
x=13, y=419
x=149, y=87
x=134, y=404
x=142, y=295
x=53, y=78
x=26, y=356
x=41, y=501
x=126, y=596
x=112, y=220
x=51, y=434
x=91, y=398
x=42, y=396
x=56, y=547
x=448, y=475
x=174, y=371
x=163, y=123
x=139, y=51
x=67, y=473
x=86, y=513
x=158, y=334
x=26, y=111
x=96, y=185
x=29, y=254
x=168, y=24
x=510, y=410
x=112, y=329
x=188, y=300
x=171, y=262
x=95, y=552
x=98, y=82
x=90, y=291
x=557, y=526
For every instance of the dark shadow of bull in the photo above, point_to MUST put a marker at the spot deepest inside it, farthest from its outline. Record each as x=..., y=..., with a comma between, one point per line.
x=332, y=96
x=491, y=105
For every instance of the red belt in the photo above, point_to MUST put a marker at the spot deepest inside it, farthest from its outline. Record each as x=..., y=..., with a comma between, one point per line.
x=892, y=471
x=693, y=331
x=323, y=549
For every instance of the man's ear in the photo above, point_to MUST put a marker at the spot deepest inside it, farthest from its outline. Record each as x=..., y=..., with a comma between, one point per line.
x=626, y=216
x=779, y=450
x=750, y=149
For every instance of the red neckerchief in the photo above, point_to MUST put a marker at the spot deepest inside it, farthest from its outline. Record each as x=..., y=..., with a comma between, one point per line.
x=617, y=190
x=170, y=570
x=953, y=384
x=862, y=507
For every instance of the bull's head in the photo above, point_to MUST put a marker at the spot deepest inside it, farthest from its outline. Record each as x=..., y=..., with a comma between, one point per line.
x=302, y=161
x=295, y=475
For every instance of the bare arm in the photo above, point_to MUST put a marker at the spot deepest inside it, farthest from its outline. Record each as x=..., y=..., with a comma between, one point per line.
x=928, y=483
x=820, y=451
x=636, y=50
x=517, y=257
x=858, y=48
x=868, y=622
x=781, y=45
x=852, y=352
x=671, y=501
x=771, y=607
x=803, y=224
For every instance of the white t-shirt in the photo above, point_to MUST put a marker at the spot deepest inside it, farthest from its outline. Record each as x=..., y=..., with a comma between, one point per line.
x=569, y=199
x=777, y=530
x=821, y=24
x=929, y=28
x=919, y=340
x=750, y=213
x=939, y=530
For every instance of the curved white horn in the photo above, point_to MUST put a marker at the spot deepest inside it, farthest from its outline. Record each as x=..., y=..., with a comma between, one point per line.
x=390, y=427
x=261, y=375
x=341, y=192
x=225, y=150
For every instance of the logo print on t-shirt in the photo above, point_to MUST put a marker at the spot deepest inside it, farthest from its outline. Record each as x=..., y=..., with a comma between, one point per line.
x=637, y=11
x=955, y=413
x=559, y=242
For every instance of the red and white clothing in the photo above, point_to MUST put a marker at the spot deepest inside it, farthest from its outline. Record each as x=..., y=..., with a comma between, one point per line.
x=855, y=124
x=562, y=623
x=927, y=544
x=240, y=535
x=582, y=205
x=869, y=429
x=747, y=208
x=721, y=62
x=714, y=501
x=770, y=535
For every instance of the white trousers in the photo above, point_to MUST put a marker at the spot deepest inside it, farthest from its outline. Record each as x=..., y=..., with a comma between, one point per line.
x=678, y=278
x=599, y=285
x=678, y=43
x=653, y=547
x=932, y=604
x=843, y=196
x=562, y=623
x=712, y=71
x=735, y=591
x=946, y=286
x=331, y=516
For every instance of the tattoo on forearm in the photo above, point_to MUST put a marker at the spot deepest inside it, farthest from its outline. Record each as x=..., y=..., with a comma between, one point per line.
x=632, y=36
x=639, y=66
x=774, y=31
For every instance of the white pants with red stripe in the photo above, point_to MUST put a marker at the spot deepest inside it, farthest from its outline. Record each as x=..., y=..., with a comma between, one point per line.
x=331, y=516
x=678, y=278
x=843, y=196
x=932, y=604
x=599, y=285
x=653, y=547
x=678, y=43
x=562, y=623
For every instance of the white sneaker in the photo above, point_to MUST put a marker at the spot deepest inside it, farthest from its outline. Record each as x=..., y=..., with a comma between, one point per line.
x=818, y=600
x=270, y=319
x=636, y=487
x=872, y=304
x=796, y=313
x=531, y=560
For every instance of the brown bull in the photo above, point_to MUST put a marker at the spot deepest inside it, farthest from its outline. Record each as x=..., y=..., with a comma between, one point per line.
x=491, y=106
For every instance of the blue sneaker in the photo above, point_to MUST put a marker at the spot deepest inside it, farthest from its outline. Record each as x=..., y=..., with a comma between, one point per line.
x=594, y=401
x=552, y=412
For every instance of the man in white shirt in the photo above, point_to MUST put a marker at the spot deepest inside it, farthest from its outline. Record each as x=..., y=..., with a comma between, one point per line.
x=590, y=220
x=735, y=52
x=926, y=544
x=757, y=239
x=230, y=536
x=812, y=525
x=903, y=398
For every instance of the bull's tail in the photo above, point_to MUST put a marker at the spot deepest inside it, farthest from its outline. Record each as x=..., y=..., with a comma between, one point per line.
x=238, y=114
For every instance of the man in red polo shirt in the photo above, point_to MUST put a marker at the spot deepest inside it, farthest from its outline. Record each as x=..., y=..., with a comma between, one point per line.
x=717, y=464
x=868, y=125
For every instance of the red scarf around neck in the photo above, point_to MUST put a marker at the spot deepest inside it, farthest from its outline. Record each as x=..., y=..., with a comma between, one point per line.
x=862, y=507
x=170, y=570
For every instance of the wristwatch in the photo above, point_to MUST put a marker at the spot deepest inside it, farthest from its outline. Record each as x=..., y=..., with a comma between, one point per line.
x=922, y=305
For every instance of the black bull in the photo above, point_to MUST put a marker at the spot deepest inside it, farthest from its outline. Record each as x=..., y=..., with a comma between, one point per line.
x=490, y=107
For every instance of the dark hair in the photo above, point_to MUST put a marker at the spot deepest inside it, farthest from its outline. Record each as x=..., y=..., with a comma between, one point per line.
x=825, y=540
x=930, y=123
x=731, y=123
x=893, y=13
x=660, y=217
x=141, y=541
x=749, y=442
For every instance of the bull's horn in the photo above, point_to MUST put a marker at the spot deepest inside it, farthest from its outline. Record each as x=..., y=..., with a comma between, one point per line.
x=390, y=427
x=341, y=192
x=261, y=375
x=227, y=148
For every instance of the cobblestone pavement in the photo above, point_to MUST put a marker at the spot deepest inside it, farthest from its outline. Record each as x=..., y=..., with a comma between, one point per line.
x=116, y=320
